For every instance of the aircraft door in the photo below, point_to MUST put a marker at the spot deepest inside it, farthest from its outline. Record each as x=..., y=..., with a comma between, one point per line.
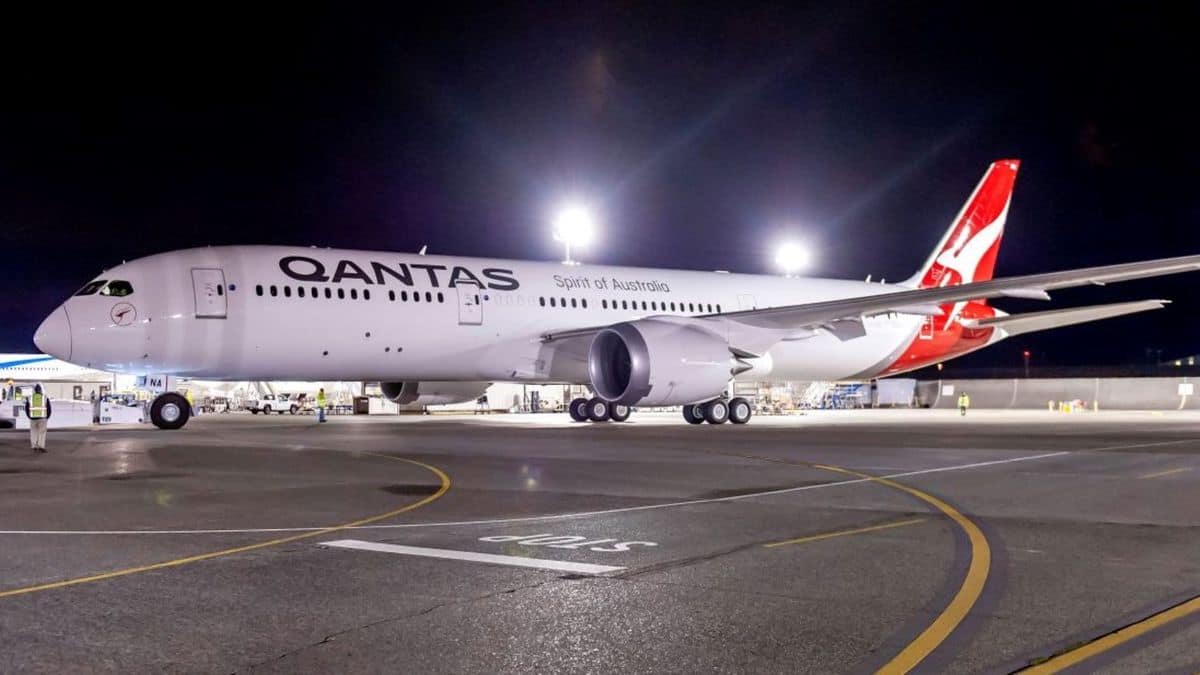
x=470, y=304
x=208, y=285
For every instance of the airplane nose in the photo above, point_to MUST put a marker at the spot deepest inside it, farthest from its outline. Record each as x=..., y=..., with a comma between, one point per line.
x=53, y=337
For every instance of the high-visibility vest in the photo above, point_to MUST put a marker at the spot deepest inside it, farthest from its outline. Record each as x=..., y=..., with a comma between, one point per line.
x=964, y=401
x=320, y=400
x=37, y=407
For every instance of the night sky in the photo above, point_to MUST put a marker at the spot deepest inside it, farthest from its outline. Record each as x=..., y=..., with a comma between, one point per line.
x=703, y=133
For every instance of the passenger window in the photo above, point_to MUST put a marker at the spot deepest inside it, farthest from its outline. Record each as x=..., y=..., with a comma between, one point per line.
x=624, y=304
x=274, y=291
x=328, y=293
x=91, y=288
x=691, y=306
x=341, y=294
x=718, y=309
x=117, y=289
x=672, y=307
x=428, y=296
x=573, y=302
x=287, y=291
x=366, y=294
x=562, y=302
x=584, y=303
x=604, y=303
x=416, y=296
x=404, y=296
x=299, y=291
x=552, y=304
x=353, y=293
x=392, y=296
x=643, y=305
x=258, y=289
x=314, y=292
x=442, y=298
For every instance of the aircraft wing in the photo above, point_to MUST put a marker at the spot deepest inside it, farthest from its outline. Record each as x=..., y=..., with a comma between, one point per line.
x=756, y=329
x=818, y=314
x=1018, y=324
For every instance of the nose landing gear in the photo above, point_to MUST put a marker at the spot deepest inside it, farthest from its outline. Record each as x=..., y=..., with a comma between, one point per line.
x=170, y=411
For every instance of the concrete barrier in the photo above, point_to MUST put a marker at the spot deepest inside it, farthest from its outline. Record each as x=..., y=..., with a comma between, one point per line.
x=1110, y=393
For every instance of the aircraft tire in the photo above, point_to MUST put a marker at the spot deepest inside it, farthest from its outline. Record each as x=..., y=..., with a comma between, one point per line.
x=693, y=414
x=169, y=411
x=716, y=412
x=740, y=410
x=598, y=410
x=578, y=409
x=618, y=413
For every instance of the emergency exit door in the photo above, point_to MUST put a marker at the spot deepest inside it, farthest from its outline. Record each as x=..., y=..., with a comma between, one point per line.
x=208, y=285
x=470, y=304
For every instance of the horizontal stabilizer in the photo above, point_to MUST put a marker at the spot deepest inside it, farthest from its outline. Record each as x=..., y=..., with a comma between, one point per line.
x=1018, y=324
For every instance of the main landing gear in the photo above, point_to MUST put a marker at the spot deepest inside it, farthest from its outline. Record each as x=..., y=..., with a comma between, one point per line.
x=719, y=411
x=170, y=411
x=597, y=410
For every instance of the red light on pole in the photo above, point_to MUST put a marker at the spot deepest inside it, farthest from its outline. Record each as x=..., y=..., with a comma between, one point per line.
x=1025, y=355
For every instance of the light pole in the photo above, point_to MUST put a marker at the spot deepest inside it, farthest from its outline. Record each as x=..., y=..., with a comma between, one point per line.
x=1025, y=355
x=574, y=225
x=792, y=257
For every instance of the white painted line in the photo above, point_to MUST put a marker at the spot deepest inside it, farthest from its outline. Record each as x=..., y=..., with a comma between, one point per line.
x=564, y=516
x=471, y=556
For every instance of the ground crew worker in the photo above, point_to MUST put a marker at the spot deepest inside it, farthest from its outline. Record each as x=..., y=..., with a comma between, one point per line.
x=37, y=409
x=321, y=404
x=964, y=402
x=191, y=402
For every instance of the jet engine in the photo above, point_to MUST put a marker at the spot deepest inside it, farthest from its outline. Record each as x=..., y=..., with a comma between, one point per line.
x=432, y=393
x=659, y=362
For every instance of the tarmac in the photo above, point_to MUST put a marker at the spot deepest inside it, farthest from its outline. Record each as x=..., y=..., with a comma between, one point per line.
x=838, y=541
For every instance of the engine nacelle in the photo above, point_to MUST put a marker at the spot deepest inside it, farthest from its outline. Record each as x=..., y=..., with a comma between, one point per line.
x=658, y=362
x=432, y=393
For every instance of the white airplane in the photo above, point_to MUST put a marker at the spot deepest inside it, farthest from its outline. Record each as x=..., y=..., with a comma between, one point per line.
x=445, y=327
x=43, y=368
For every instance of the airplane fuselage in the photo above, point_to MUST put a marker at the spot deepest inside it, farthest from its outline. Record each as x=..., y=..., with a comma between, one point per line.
x=266, y=312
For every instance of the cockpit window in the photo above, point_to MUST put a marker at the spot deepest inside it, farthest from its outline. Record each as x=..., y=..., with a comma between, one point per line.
x=91, y=288
x=117, y=289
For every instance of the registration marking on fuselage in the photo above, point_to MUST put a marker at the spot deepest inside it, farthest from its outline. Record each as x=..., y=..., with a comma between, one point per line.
x=471, y=556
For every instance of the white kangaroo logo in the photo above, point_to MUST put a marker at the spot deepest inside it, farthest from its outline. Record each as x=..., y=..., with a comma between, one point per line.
x=964, y=255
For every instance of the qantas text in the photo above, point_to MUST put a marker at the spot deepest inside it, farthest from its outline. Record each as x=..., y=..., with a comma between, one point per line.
x=307, y=269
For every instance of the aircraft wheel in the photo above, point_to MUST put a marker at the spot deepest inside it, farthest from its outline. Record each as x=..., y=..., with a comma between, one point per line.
x=578, y=409
x=716, y=412
x=598, y=410
x=169, y=411
x=693, y=414
x=740, y=411
x=618, y=413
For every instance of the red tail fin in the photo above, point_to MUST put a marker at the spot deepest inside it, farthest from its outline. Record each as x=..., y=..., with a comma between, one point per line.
x=968, y=251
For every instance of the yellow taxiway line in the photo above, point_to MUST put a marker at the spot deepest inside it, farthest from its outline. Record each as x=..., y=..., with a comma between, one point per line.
x=1168, y=472
x=962, y=602
x=843, y=533
x=1072, y=657
x=442, y=489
